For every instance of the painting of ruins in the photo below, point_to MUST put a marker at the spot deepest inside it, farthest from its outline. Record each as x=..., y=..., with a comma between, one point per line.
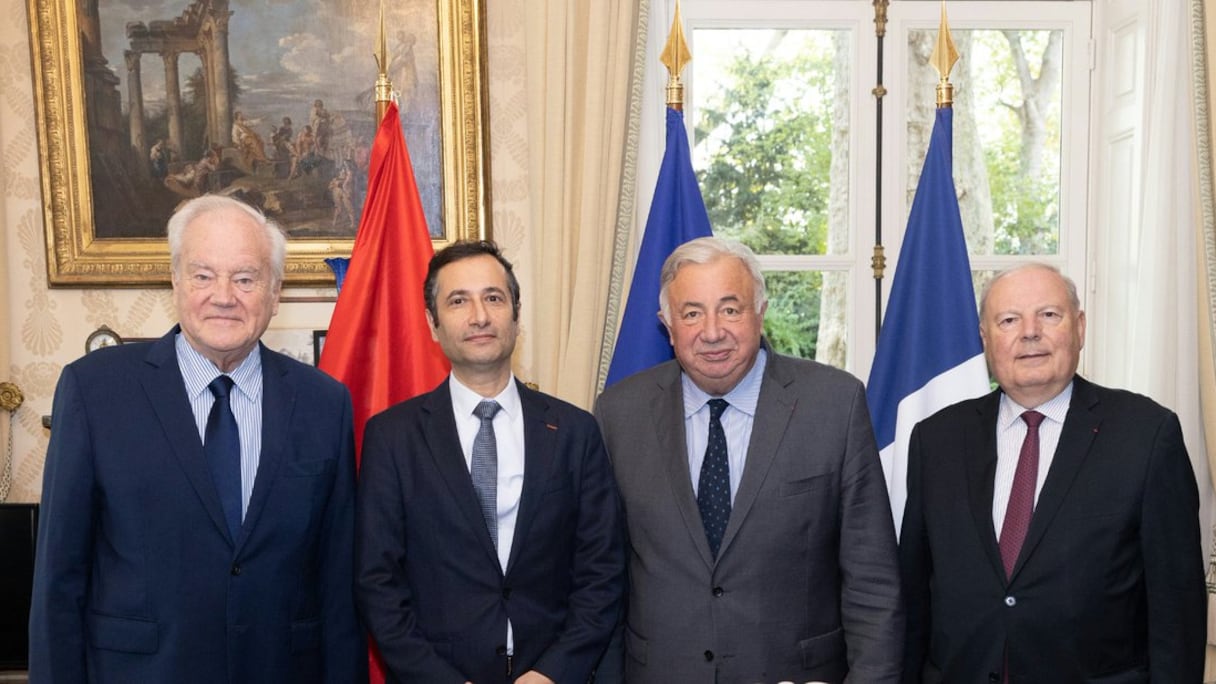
x=270, y=101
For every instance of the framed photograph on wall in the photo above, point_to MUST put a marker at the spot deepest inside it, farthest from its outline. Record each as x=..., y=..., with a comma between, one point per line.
x=142, y=105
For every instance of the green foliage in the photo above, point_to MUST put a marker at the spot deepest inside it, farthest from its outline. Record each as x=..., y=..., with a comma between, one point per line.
x=792, y=322
x=766, y=133
x=1025, y=208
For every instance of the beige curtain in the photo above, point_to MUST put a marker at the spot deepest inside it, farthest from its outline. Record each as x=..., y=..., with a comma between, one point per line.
x=6, y=366
x=1204, y=42
x=581, y=94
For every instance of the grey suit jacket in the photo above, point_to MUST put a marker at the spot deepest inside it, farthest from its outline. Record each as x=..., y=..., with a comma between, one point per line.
x=806, y=584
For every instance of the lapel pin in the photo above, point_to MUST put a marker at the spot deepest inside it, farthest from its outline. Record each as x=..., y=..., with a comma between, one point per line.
x=551, y=426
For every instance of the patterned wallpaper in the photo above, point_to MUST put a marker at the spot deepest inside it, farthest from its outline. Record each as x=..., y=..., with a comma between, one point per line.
x=48, y=327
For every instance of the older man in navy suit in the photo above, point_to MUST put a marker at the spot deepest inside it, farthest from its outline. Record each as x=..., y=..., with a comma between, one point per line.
x=1052, y=528
x=490, y=542
x=198, y=500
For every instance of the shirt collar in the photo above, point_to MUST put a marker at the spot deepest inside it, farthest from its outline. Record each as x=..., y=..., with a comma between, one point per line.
x=198, y=371
x=464, y=400
x=743, y=396
x=1055, y=409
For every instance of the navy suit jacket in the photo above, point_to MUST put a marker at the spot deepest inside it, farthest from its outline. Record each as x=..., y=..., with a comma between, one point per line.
x=137, y=578
x=1109, y=585
x=428, y=581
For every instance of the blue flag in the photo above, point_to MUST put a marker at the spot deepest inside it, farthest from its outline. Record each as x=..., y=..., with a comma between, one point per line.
x=929, y=352
x=677, y=215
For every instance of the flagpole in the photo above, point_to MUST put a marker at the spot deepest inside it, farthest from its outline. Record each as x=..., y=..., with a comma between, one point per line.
x=675, y=56
x=384, y=85
x=878, y=259
x=944, y=57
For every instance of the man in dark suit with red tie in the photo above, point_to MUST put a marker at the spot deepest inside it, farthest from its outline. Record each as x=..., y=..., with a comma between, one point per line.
x=1052, y=527
x=490, y=541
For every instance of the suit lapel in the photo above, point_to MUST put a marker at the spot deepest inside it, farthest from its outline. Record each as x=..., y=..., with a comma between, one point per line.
x=668, y=411
x=540, y=444
x=979, y=457
x=443, y=442
x=1080, y=428
x=774, y=410
x=278, y=406
x=162, y=382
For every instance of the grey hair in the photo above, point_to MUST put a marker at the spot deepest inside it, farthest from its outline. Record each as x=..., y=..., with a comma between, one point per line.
x=207, y=204
x=1069, y=286
x=703, y=251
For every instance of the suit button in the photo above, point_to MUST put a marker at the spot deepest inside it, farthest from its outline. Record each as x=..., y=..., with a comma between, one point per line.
x=506, y=593
x=236, y=570
x=501, y=650
x=994, y=677
x=718, y=591
x=1010, y=601
x=709, y=656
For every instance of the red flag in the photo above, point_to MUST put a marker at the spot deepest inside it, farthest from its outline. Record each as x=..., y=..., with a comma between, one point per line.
x=379, y=344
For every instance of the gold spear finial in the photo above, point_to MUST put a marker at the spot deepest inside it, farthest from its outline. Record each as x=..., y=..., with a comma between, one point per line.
x=943, y=58
x=675, y=56
x=384, y=86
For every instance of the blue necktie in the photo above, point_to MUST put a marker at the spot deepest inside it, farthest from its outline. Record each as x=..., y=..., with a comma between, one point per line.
x=222, y=448
x=484, y=468
x=713, y=487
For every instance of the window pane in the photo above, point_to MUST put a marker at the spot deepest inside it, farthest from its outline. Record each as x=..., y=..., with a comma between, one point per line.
x=1007, y=147
x=771, y=112
x=798, y=323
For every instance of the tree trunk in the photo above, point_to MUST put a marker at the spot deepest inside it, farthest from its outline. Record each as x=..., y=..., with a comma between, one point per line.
x=833, y=344
x=1037, y=96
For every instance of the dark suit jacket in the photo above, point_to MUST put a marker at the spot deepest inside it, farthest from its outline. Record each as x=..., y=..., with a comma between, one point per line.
x=429, y=585
x=1109, y=585
x=137, y=579
x=806, y=583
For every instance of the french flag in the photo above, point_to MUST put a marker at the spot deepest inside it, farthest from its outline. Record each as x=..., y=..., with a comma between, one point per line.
x=929, y=352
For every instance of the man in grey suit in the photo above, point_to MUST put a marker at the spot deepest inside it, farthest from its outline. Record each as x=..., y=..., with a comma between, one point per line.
x=761, y=542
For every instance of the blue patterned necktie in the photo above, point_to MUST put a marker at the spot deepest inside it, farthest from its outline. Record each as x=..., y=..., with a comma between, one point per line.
x=222, y=449
x=713, y=487
x=484, y=468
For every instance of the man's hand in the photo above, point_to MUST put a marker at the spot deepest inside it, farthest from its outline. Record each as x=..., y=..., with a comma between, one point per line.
x=533, y=677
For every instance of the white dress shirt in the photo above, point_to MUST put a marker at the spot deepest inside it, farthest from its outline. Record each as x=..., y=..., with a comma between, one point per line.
x=1010, y=433
x=509, y=442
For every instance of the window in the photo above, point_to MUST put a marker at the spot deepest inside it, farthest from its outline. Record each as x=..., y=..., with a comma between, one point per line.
x=782, y=126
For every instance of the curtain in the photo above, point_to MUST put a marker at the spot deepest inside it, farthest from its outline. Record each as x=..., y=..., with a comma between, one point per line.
x=1203, y=32
x=581, y=97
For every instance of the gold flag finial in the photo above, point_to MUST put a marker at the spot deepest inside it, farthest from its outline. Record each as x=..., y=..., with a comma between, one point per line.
x=384, y=86
x=675, y=56
x=943, y=58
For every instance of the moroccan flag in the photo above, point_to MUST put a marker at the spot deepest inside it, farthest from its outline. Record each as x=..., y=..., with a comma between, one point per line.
x=929, y=352
x=379, y=344
x=677, y=215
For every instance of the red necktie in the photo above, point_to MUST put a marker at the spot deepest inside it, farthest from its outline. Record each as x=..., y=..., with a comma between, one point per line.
x=1021, y=495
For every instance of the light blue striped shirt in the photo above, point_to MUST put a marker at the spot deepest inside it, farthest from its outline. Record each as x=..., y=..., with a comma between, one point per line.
x=246, y=402
x=737, y=422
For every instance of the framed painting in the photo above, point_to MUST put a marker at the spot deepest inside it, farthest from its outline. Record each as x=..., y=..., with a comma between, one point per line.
x=143, y=104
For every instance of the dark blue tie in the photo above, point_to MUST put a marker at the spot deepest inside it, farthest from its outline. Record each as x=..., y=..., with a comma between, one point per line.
x=222, y=447
x=713, y=488
x=484, y=467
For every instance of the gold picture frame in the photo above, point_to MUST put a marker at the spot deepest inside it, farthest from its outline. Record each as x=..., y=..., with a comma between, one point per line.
x=78, y=257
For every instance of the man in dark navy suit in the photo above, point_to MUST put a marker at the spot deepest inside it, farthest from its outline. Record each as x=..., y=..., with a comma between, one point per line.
x=1052, y=528
x=198, y=499
x=489, y=544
